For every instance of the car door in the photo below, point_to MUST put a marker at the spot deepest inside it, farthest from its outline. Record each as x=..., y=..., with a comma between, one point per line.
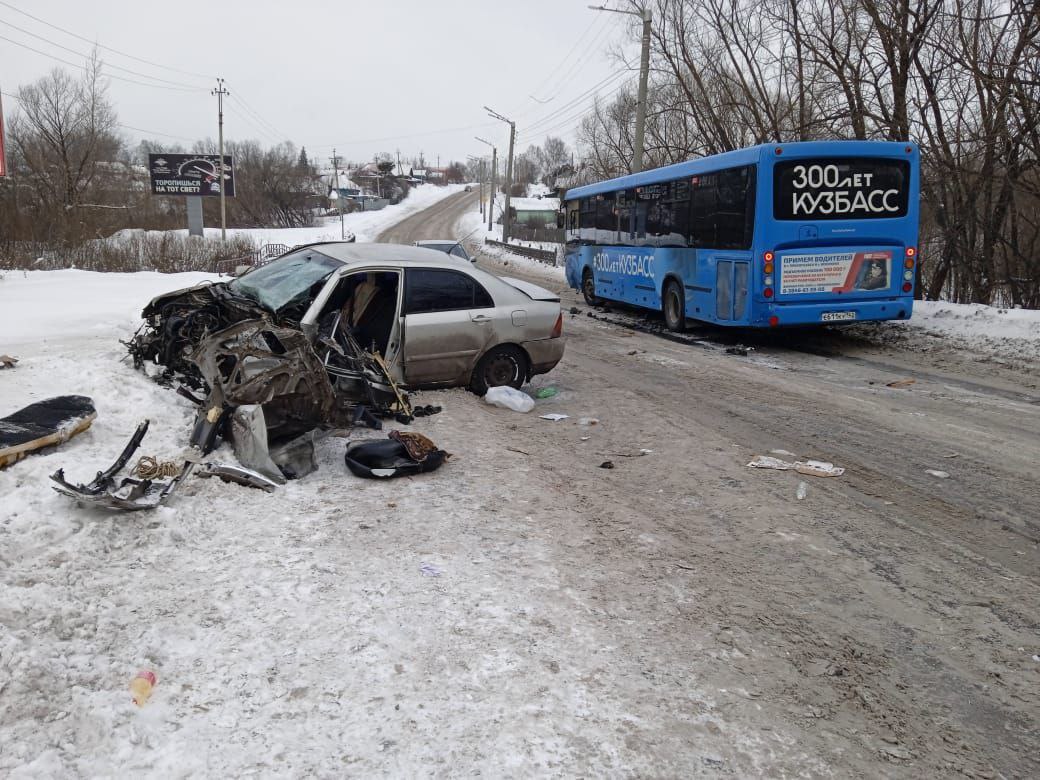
x=448, y=319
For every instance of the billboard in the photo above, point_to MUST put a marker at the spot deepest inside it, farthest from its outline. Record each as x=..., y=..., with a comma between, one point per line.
x=190, y=174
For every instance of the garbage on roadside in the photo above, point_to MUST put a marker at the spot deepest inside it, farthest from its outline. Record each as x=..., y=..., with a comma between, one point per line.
x=545, y=392
x=6, y=361
x=901, y=383
x=128, y=493
x=400, y=454
x=509, y=398
x=739, y=349
x=554, y=416
x=588, y=421
x=43, y=424
x=937, y=473
x=429, y=570
x=607, y=464
x=142, y=686
x=814, y=468
x=802, y=491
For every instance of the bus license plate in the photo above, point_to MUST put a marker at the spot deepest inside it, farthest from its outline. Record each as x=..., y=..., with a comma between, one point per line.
x=837, y=316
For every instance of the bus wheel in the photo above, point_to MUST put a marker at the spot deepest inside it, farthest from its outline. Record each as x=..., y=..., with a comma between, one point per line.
x=674, y=306
x=588, y=288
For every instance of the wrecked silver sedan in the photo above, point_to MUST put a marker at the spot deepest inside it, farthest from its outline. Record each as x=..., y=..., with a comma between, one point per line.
x=328, y=329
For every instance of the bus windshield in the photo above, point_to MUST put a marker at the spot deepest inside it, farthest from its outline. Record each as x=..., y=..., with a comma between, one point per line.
x=841, y=188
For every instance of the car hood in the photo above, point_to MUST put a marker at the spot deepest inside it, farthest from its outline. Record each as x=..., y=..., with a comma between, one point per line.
x=199, y=291
x=530, y=290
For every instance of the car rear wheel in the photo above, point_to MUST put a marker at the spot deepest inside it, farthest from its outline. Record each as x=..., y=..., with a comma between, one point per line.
x=505, y=365
x=674, y=306
x=588, y=288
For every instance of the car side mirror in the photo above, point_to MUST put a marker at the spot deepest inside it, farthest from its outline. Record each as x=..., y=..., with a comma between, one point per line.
x=559, y=219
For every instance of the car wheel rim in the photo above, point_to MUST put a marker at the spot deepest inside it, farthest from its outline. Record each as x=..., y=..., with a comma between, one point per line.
x=590, y=288
x=501, y=371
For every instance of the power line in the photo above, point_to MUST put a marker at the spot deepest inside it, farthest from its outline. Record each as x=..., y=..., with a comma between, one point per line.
x=584, y=96
x=87, y=56
x=85, y=69
x=101, y=45
x=406, y=136
x=256, y=115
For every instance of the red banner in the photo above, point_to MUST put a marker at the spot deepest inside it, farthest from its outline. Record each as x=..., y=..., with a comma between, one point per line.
x=3, y=155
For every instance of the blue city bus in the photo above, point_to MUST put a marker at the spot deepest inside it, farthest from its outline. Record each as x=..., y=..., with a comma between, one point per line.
x=779, y=234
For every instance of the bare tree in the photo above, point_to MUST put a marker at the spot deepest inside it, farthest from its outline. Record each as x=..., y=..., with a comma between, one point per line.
x=63, y=137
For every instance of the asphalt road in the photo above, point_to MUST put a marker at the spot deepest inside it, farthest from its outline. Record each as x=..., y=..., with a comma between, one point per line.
x=887, y=623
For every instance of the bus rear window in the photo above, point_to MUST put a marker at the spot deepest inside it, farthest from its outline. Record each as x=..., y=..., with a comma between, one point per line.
x=841, y=188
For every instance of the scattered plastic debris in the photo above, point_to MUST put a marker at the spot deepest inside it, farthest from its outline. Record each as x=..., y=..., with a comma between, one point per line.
x=429, y=570
x=545, y=392
x=937, y=473
x=901, y=383
x=783, y=452
x=585, y=438
x=554, y=416
x=739, y=349
x=607, y=464
x=509, y=398
x=818, y=468
x=588, y=421
x=812, y=468
x=803, y=491
x=646, y=452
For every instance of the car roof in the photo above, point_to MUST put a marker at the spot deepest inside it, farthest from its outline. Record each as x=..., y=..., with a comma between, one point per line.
x=436, y=241
x=350, y=253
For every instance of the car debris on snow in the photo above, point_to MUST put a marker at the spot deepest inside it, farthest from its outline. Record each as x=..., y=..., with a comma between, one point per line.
x=937, y=473
x=554, y=416
x=400, y=454
x=6, y=361
x=129, y=493
x=43, y=424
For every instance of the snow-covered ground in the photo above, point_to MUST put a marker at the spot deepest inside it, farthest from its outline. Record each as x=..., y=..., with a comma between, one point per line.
x=474, y=227
x=365, y=225
x=293, y=633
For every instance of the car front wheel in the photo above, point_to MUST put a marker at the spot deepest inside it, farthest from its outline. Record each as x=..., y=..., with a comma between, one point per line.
x=505, y=365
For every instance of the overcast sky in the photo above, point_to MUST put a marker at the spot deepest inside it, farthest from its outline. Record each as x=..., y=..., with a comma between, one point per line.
x=365, y=77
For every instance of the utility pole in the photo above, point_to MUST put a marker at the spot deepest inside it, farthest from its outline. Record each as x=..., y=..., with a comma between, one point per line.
x=644, y=73
x=494, y=181
x=507, y=220
x=220, y=92
x=339, y=195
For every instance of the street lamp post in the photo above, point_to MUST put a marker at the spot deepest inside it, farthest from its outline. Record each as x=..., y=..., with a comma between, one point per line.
x=494, y=181
x=644, y=72
x=507, y=219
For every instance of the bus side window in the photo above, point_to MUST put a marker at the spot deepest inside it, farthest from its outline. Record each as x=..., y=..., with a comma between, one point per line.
x=702, y=212
x=587, y=220
x=731, y=208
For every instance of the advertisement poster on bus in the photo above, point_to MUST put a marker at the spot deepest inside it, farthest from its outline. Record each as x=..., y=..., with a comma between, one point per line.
x=835, y=272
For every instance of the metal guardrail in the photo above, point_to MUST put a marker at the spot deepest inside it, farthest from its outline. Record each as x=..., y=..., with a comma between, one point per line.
x=261, y=256
x=542, y=255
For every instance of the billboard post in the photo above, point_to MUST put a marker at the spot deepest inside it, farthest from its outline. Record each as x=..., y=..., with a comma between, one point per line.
x=194, y=204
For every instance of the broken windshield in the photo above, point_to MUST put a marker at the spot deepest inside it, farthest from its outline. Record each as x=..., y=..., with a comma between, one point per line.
x=285, y=280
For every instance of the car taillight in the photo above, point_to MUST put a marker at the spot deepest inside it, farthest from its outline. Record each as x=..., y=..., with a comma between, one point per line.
x=774, y=321
x=557, y=330
x=768, y=292
x=907, y=287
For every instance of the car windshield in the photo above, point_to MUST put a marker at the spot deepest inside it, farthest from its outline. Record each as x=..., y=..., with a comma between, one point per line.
x=286, y=279
x=440, y=247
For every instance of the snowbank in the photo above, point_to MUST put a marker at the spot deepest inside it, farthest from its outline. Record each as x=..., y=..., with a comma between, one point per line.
x=474, y=228
x=365, y=225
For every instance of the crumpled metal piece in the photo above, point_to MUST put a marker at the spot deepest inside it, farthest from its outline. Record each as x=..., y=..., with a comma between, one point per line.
x=128, y=494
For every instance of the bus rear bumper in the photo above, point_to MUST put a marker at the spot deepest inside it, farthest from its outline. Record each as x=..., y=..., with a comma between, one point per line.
x=838, y=312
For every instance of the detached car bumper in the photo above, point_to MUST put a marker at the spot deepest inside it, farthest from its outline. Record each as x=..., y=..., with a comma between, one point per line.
x=544, y=353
